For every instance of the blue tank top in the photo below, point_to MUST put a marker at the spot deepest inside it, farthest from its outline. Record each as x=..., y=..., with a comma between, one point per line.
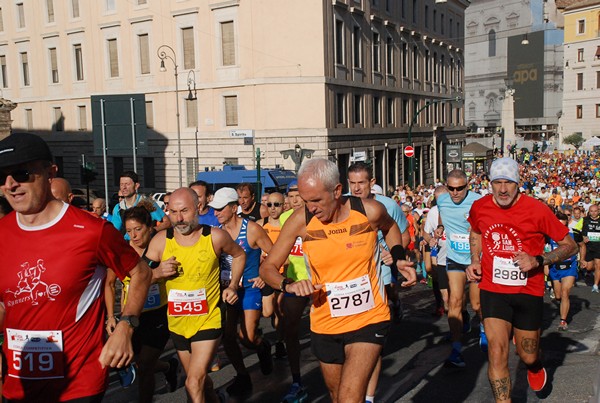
x=252, y=258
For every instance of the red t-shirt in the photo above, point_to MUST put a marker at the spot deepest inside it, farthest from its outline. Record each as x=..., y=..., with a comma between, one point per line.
x=504, y=232
x=52, y=289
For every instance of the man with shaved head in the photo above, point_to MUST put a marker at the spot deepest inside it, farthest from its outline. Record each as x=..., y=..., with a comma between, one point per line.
x=99, y=209
x=61, y=190
x=189, y=253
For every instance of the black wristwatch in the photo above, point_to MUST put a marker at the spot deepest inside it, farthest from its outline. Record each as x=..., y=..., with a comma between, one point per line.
x=540, y=260
x=132, y=320
x=283, y=283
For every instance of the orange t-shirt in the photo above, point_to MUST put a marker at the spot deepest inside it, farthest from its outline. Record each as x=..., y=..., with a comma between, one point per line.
x=273, y=233
x=344, y=257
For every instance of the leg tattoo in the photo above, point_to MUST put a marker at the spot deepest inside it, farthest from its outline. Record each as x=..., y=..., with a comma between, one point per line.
x=501, y=388
x=530, y=346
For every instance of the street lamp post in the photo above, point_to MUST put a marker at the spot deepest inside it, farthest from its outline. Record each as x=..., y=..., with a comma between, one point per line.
x=411, y=173
x=191, y=79
x=167, y=52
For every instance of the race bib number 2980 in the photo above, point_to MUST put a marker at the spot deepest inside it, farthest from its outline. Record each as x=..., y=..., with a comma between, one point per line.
x=35, y=354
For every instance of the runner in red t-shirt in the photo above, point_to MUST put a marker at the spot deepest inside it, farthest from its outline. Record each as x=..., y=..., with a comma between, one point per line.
x=54, y=258
x=507, y=244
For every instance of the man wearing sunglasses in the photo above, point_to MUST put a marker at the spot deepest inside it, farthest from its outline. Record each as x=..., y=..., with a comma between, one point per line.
x=454, y=209
x=54, y=258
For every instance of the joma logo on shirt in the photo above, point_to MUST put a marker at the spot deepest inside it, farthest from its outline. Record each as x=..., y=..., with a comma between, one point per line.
x=337, y=231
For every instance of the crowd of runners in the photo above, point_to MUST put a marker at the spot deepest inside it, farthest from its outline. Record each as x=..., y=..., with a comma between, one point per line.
x=203, y=271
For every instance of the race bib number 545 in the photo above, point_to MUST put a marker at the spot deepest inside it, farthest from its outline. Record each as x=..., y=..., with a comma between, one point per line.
x=187, y=303
x=350, y=297
x=35, y=354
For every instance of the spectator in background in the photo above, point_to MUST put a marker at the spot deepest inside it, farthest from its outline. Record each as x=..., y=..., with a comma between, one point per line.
x=99, y=209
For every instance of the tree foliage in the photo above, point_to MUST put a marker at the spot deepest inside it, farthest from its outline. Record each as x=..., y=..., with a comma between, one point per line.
x=575, y=140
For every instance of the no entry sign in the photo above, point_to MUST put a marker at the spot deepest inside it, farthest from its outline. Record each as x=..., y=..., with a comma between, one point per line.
x=409, y=151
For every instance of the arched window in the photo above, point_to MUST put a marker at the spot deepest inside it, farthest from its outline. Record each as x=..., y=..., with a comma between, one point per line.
x=492, y=43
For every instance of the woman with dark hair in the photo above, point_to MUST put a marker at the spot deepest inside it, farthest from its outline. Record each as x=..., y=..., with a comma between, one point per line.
x=150, y=338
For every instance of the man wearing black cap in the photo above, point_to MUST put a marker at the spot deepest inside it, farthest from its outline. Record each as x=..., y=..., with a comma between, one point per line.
x=54, y=260
x=507, y=238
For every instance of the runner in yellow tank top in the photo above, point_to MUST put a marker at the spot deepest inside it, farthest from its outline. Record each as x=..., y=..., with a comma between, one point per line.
x=188, y=258
x=349, y=321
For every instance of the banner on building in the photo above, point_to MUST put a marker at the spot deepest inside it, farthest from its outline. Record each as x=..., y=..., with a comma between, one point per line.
x=526, y=70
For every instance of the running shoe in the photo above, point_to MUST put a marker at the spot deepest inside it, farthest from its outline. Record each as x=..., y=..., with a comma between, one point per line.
x=455, y=360
x=264, y=357
x=127, y=375
x=537, y=380
x=563, y=325
x=296, y=394
x=552, y=296
x=216, y=363
x=171, y=374
x=241, y=387
x=595, y=288
x=466, y=322
x=280, y=351
x=483, y=342
x=423, y=281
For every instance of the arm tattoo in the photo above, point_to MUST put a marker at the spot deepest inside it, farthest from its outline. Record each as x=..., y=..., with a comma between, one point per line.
x=560, y=254
x=530, y=346
x=501, y=388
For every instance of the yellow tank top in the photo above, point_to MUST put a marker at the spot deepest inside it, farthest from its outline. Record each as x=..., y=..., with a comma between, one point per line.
x=157, y=295
x=194, y=295
x=344, y=257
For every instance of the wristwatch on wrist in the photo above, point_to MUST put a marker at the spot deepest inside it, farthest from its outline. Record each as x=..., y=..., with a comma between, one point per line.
x=540, y=260
x=283, y=283
x=132, y=320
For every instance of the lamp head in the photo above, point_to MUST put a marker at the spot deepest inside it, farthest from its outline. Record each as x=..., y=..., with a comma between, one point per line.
x=162, y=66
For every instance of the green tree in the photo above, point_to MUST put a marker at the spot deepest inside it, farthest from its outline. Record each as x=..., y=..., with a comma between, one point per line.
x=575, y=140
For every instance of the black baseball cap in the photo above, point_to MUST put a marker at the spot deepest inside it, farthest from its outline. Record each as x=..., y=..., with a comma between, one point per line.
x=19, y=148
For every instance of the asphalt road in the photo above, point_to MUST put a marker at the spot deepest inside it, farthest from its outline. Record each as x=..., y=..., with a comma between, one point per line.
x=414, y=355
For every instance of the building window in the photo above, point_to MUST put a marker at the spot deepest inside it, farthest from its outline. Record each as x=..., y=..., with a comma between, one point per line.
x=415, y=62
x=29, y=119
x=1, y=21
x=404, y=59
x=491, y=43
x=403, y=8
x=598, y=110
x=426, y=16
x=75, y=8
x=435, y=67
x=581, y=26
x=580, y=55
x=415, y=109
x=389, y=51
x=144, y=53
x=376, y=110
x=340, y=109
x=579, y=111
x=53, y=65
x=191, y=113
x=110, y=5
x=442, y=23
x=356, y=48
x=442, y=70
x=149, y=177
x=231, y=110
x=50, y=10
x=140, y=2
x=82, y=115
x=434, y=20
x=191, y=168
x=189, y=56
x=21, y=15
x=117, y=170
x=450, y=28
x=25, y=69
x=113, y=58
x=579, y=81
x=228, y=43
x=597, y=79
x=78, y=62
x=59, y=120
x=149, y=115
x=427, y=60
x=390, y=112
x=376, y=53
x=358, y=113
x=3, y=71
x=415, y=10
x=339, y=41
x=452, y=72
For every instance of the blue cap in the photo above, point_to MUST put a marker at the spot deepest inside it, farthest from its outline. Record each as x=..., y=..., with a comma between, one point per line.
x=293, y=185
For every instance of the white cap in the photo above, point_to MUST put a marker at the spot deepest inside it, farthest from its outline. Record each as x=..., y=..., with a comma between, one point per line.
x=376, y=190
x=223, y=197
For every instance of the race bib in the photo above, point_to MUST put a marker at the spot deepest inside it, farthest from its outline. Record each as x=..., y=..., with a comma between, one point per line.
x=594, y=236
x=35, y=354
x=188, y=303
x=297, y=248
x=350, y=297
x=460, y=243
x=153, y=299
x=506, y=273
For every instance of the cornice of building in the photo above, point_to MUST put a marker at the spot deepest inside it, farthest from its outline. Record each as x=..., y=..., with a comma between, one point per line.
x=145, y=18
x=185, y=11
x=225, y=4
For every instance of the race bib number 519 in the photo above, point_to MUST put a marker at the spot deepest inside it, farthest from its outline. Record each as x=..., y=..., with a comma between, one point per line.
x=35, y=354
x=350, y=297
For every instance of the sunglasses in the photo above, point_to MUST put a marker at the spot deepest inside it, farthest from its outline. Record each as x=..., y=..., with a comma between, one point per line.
x=274, y=204
x=457, y=188
x=19, y=175
x=121, y=197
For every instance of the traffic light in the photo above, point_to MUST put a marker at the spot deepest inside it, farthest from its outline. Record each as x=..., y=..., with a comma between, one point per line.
x=88, y=174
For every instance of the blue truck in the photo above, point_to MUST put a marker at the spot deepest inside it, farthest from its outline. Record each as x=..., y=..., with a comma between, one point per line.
x=272, y=180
